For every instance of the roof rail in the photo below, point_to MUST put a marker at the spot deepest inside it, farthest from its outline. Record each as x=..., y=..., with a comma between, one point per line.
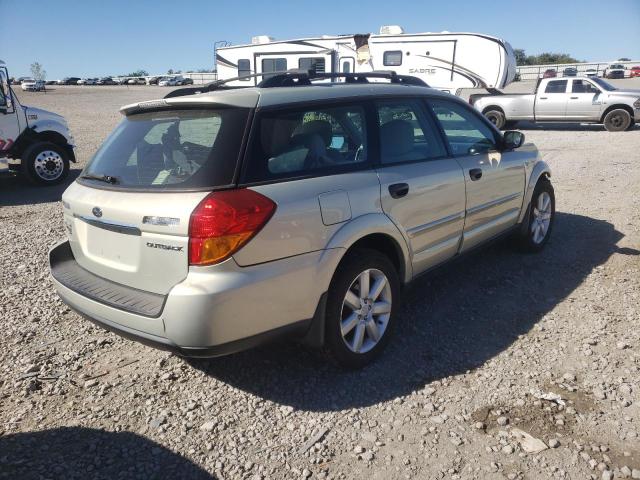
x=304, y=77
x=290, y=78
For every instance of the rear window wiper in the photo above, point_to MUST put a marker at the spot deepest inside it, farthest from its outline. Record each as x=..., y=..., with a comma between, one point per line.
x=100, y=178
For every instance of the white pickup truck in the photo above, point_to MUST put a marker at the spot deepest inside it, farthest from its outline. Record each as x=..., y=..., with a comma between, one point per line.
x=33, y=141
x=575, y=99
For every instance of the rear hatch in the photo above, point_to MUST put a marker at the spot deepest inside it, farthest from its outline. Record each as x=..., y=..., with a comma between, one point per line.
x=127, y=215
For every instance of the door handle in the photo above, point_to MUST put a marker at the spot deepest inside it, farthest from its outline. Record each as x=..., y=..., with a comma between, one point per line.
x=574, y=98
x=475, y=174
x=398, y=190
x=543, y=98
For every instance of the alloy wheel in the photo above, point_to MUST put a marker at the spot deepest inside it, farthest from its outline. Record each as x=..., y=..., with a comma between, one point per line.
x=541, y=218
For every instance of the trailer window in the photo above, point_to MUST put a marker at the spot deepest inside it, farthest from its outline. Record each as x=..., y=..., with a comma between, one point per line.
x=270, y=65
x=346, y=67
x=312, y=63
x=556, y=86
x=244, y=69
x=392, y=58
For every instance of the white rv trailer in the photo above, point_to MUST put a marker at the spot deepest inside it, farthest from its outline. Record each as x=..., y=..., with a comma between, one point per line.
x=446, y=61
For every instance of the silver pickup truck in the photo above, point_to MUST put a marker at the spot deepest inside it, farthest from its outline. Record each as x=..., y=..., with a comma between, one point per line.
x=576, y=99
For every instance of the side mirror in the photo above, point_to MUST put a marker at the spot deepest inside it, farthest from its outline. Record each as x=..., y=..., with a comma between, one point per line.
x=512, y=139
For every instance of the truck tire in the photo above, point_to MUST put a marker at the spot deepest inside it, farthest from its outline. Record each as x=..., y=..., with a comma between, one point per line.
x=497, y=118
x=617, y=120
x=45, y=163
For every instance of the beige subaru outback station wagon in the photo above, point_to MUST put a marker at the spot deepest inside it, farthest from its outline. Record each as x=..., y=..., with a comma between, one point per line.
x=217, y=218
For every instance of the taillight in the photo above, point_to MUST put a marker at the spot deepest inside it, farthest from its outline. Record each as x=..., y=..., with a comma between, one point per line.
x=225, y=221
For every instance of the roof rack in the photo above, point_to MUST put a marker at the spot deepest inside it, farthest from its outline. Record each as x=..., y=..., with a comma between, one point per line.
x=292, y=78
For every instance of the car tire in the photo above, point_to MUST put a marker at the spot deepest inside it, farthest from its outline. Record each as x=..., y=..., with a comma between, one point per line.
x=497, y=118
x=540, y=218
x=45, y=163
x=617, y=120
x=355, y=334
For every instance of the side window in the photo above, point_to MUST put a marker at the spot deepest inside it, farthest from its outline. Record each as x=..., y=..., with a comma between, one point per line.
x=314, y=63
x=406, y=133
x=346, y=67
x=582, y=86
x=556, y=86
x=4, y=88
x=392, y=58
x=466, y=132
x=244, y=69
x=308, y=141
x=273, y=65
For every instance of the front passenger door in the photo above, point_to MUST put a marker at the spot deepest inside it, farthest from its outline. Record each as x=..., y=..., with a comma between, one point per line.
x=494, y=180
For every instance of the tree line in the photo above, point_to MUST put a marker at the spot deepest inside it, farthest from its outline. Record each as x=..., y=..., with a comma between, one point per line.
x=548, y=58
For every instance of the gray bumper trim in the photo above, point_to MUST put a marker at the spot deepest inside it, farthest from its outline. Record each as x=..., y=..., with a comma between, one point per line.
x=69, y=273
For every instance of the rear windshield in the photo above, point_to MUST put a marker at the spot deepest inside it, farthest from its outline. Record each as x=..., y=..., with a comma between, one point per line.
x=171, y=149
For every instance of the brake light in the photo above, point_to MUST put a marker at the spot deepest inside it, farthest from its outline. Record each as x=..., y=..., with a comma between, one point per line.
x=224, y=222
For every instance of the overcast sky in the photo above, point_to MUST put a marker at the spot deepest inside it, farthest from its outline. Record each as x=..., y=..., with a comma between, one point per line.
x=96, y=38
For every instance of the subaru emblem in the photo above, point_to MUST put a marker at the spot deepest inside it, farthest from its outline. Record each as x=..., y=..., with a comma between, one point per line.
x=97, y=211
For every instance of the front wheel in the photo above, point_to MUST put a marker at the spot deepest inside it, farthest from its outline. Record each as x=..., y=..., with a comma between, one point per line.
x=45, y=163
x=542, y=211
x=361, y=307
x=617, y=120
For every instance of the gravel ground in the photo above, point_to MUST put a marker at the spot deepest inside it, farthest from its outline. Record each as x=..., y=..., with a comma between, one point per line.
x=504, y=366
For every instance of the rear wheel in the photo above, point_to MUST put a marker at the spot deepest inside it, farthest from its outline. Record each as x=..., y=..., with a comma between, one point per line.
x=45, y=163
x=361, y=307
x=617, y=120
x=496, y=117
x=542, y=210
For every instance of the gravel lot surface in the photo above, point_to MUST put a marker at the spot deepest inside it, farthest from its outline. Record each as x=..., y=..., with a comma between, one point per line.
x=504, y=366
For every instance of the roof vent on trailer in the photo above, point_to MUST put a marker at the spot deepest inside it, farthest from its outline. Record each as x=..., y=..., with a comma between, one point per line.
x=391, y=30
x=260, y=39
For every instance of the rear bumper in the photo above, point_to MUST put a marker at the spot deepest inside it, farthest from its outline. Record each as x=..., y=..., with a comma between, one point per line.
x=215, y=311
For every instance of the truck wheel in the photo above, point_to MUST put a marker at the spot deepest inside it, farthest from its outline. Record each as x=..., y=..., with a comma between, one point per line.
x=361, y=308
x=617, y=120
x=542, y=211
x=45, y=163
x=496, y=117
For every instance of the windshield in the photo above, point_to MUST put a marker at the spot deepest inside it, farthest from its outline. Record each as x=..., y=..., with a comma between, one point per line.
x=603, y=84
x=171, y=149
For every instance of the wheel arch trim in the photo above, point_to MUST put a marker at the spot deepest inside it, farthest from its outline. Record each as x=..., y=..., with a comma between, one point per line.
x=541, y=169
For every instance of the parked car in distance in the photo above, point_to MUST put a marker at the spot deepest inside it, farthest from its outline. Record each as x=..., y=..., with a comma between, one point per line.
x=137, y=81
x=635, y=71
x=123, y=80
x=19, y=80
x=32, y=85
x=69, y=81
x=88, y=81
x=107, y=81
x=169, y=81
x=570, y=72
x=345, y=193
x=550, y=73
x=186, y=81
x=580, y=99
x=614, y=71
x=591, y=72
x=154, y=80
x=51, y=82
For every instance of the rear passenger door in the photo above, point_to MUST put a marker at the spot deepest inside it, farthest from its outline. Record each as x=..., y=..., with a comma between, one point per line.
x=494, y=179
x=422, y=190
x=552, y=102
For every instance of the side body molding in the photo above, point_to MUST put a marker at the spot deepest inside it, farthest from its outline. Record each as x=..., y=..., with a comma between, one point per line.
x=373, y=223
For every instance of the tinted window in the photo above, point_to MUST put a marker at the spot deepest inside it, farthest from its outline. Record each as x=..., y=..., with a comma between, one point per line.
x=173, y=149
x=392, y=58
x=306, y=142
x=557, y=86
x=316, y=64
x=582, y=86
x=273, y=65
x=244, y=68
x=406, y=133
x=466, y=132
